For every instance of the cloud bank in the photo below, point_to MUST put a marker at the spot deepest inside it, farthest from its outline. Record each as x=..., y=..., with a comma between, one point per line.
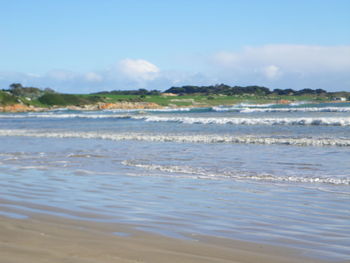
x=287, y=66
x=274, y=66
x=290, y=57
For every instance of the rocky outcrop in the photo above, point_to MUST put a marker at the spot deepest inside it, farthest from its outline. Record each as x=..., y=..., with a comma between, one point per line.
x=284, y=101
x=19, y=108
x=117, y=105
x=99, y=106
x=128, y=105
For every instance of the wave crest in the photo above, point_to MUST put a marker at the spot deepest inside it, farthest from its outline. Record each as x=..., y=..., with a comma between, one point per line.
x=289, y=109
x=184, y=138
x=326, y=121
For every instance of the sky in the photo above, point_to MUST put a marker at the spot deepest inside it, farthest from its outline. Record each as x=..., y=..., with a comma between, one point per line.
x=81, y=46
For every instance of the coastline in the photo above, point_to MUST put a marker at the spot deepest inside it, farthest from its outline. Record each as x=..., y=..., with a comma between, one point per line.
x=119, y=105
x=42, y=238
x=100, y=106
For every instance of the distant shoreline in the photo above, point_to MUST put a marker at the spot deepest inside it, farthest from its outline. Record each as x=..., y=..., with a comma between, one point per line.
x=17, y=108
x=22, y=99
x=128, y=105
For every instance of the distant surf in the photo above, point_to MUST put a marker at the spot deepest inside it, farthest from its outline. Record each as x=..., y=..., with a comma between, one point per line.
x=301, y=121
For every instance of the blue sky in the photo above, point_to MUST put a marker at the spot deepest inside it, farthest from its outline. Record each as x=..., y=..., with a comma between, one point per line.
x=85, y=46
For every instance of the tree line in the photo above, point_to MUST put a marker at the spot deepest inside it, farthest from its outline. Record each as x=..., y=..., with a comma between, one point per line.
x=239, y=90
x=139, y=92
x=16, y=89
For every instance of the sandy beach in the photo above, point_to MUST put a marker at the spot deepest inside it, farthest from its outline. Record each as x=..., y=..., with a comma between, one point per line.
x=175, y=131
x=54, y=239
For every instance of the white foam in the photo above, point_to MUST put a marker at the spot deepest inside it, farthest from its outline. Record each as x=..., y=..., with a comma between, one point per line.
x=210, y=138
x=288, y=109
x=298, y=103
x=308, y=109
x=255, y=105
x=327, y=121
x=205, y=174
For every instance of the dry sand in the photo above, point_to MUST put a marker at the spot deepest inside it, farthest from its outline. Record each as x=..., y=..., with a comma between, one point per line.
x=55, y=239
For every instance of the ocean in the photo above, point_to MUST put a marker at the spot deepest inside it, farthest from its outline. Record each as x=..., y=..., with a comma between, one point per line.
x=275, y=174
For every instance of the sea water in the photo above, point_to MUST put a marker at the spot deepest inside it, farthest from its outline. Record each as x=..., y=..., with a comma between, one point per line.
x=277, y=174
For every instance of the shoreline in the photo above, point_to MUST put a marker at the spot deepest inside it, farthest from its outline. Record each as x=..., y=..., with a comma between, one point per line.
x=94, y=107
x=43, y=238
x=18, y=108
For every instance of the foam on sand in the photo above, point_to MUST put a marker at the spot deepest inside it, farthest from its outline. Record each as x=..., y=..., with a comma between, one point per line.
x=206, y=174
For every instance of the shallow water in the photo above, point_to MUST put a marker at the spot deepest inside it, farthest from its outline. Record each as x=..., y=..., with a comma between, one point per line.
x=274, y=174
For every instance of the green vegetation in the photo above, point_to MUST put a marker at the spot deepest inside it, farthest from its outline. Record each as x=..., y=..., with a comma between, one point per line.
x=175, y=96
x=219, y=89
x=239, y=90
x=58, y=99
x=142, y=92
x=204, y=100
x=43, y=97
x=7, y=98
x=17, y=89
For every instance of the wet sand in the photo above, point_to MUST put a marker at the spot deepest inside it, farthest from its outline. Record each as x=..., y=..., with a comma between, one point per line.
x=42, y=238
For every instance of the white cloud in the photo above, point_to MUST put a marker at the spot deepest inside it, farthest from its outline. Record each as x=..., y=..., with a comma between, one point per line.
x=271, y=72
x=296, y=58
x=33, y=75
x=138, y=69
x=93, y=77
x=274, y=66
x=285, y=66
x=226, y=58
x=125, y=74
x=61, y=75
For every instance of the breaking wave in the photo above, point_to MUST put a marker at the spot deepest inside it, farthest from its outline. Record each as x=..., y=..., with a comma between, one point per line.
x=206, y=174
x=325, y=121
x=310, y=109
x=290, y=109
x=183, y=138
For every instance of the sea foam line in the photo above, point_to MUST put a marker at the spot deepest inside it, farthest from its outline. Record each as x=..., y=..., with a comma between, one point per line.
x=205, y=174
x=183, y=138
